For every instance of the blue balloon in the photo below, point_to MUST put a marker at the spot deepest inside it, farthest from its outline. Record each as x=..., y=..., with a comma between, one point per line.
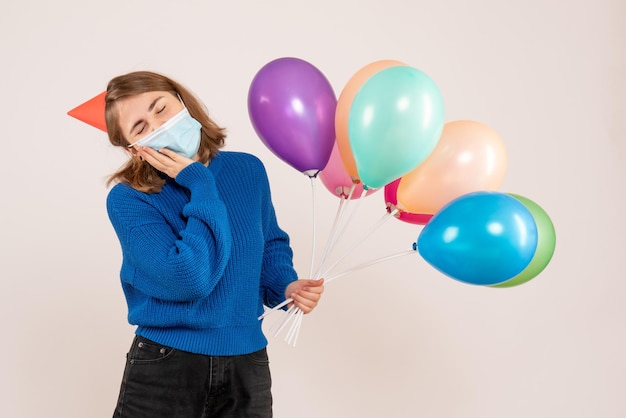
x=481, y=238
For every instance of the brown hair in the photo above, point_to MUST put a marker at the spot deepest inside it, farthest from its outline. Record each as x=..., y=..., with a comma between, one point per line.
x=139, y=174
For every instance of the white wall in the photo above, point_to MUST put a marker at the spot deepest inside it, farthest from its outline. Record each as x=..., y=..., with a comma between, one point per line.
x=397, y=340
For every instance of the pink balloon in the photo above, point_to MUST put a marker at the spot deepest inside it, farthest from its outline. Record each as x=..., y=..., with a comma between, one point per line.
x=391, y=200
x=337, y=180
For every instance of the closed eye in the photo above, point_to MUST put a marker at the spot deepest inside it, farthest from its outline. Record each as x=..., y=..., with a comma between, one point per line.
x=141, y=129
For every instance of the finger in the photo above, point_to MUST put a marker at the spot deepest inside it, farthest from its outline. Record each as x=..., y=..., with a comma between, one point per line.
x=148, y=152
x=164, y=156
x=169, y=153
x=308, y=300
x=311, y=295
x=315, y=283
x=318, y=288
x=306, y=308
x=152, y=157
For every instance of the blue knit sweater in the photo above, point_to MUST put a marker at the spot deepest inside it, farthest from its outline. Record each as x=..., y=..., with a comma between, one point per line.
x=202, y=256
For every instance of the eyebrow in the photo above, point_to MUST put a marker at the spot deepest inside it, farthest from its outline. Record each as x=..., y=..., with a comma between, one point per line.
x=154, y=102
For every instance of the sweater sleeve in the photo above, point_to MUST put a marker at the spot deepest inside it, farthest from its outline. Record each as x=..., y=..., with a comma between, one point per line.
x=277, y=268
x=166, y=265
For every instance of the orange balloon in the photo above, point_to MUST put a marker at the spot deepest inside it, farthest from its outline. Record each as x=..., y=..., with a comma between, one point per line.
x=469, y=157
x=343, y=110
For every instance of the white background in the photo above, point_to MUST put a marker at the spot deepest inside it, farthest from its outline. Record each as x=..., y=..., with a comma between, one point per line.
x=398, y=339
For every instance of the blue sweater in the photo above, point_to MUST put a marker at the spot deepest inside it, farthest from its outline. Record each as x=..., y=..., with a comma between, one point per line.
x=202, y=256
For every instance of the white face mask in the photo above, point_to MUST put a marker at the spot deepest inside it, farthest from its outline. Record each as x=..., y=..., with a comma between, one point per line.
x=180, y=133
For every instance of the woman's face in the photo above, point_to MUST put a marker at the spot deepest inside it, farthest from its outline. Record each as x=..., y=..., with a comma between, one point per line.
x=141, y=114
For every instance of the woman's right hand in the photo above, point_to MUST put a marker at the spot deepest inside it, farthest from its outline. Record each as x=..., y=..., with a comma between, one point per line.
x=305, y=293
x=164, y=160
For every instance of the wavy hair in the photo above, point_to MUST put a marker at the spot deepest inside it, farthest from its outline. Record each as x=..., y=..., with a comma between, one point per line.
x=139, y=174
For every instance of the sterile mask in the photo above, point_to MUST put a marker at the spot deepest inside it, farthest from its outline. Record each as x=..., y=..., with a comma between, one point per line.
x=180, y=133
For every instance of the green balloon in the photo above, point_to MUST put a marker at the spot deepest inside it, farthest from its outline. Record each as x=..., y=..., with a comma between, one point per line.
x=546, y=241
x=395, y=121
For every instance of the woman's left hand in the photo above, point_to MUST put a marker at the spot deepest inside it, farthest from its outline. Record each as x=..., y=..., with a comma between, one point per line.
x=305, y=293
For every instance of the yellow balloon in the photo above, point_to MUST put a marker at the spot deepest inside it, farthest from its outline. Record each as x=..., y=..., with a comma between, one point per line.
x=469, y=157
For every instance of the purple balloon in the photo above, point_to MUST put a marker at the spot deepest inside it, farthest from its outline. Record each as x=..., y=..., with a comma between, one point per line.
x=292, y=108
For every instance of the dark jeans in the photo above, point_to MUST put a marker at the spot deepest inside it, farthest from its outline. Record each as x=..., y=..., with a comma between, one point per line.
x=164, y=382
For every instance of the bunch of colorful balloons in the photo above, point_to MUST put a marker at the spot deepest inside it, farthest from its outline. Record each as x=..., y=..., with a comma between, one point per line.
x=387, y=130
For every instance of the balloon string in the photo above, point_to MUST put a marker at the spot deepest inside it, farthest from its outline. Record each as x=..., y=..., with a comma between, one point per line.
x=277, y=322
x=340, y=225
x=369, y=263
x=300, y=318
x=338, y=218
x=288, y=300
x=291, y=329
x=336, y=230
x=350, y=218
x=382, y=220
x=285, y=321
x=332, y=237
x=275, y=308
x=340, y=233
x=341, y=274
x=294, y=330
x=314, y=234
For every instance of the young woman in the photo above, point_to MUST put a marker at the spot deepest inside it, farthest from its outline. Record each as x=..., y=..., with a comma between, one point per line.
x=202, y=253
